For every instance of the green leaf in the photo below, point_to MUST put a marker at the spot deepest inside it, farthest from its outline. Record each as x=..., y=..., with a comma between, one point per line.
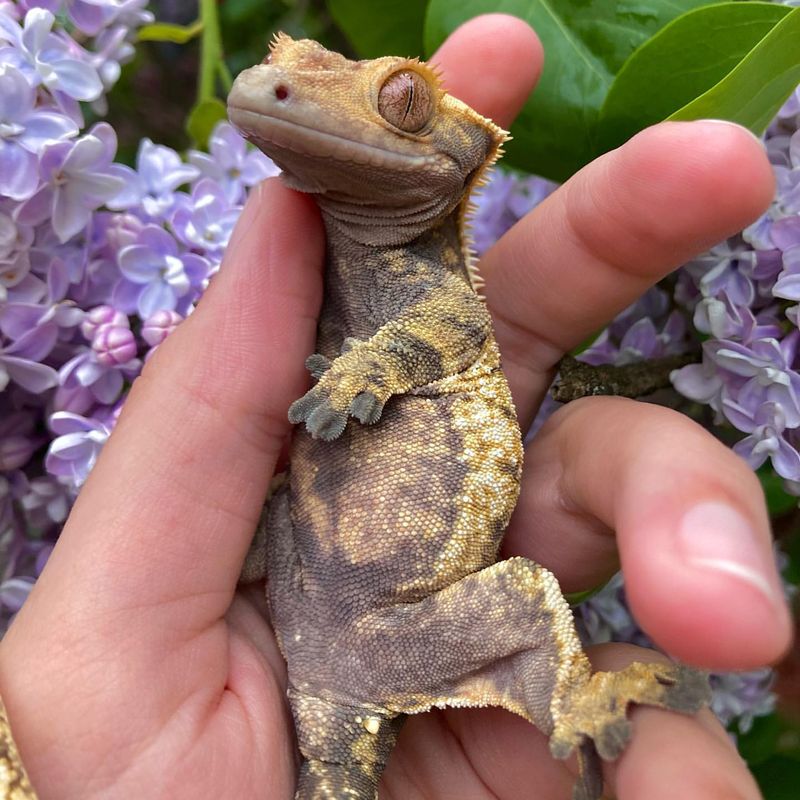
x=778, y=778
x=585, y=44
x=761, y=741
x=166, y=32
x=779, y=501
x=684, y=60
x=757, y=87
x=202, y=119
x=389, y=28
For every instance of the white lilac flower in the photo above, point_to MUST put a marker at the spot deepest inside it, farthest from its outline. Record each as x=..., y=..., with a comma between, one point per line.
x=56, y=62
x=77, y=178
x=151, y=187
x=232, y=163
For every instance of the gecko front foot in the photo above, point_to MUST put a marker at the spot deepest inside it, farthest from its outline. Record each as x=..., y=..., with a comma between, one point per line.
x=599, y=712
x=348, y=387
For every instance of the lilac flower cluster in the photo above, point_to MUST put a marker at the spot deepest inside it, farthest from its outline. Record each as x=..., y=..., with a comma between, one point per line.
x=99, y=262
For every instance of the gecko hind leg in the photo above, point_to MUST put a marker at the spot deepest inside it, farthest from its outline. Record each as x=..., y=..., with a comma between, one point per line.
x=505, y=637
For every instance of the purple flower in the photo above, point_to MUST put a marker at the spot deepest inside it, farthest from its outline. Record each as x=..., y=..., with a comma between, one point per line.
x=722, y=319
x=78, y=178
x=158, y=326
x=766, y=440
x=232, y=163
x=99, y=316
x=159, y=172
x=206, y=221
x=84, y=381
x=24, y=130
x=765, y=371
x=114, y=345
x=788, y=284
x=45, y=58
x=725, y=268
x=740, y=697
x=75, y=449
x=156, y=275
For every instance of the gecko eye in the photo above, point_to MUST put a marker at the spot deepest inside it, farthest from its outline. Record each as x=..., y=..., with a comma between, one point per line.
x=406, y=101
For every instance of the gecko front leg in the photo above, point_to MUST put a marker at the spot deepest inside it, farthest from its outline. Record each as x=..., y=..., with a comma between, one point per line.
x=433, y=339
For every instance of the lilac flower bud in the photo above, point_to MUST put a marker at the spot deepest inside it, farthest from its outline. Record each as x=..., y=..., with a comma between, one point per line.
x=159, y=325
x=102, y=315
x=114, y=345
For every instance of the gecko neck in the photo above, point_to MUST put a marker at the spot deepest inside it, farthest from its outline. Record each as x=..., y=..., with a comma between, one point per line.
x=366, y=285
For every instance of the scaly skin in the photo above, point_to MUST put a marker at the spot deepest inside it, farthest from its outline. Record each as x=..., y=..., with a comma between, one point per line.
x=380, y=548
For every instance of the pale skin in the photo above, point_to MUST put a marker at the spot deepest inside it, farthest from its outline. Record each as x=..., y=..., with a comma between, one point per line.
x=137, y=669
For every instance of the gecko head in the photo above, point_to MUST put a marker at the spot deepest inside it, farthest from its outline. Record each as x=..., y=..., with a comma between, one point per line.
x=379, y=142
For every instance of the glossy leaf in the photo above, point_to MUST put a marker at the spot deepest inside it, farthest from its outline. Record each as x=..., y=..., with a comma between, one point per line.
x=585, y=45
x=167, y=32
x=680, y=63
x=202, y=119
x=388, y=28
x=757, y=87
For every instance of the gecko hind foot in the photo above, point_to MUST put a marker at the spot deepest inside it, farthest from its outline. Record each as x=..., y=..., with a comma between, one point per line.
x=599, y=711
x=319, y=780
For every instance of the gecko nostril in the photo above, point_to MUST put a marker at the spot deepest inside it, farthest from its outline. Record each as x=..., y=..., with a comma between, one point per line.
x=281, y=92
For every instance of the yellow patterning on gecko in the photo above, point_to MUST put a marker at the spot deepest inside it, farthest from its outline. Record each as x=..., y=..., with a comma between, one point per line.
x=380, y=548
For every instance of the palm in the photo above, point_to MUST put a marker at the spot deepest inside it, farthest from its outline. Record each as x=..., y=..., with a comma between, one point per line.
x=132, y=670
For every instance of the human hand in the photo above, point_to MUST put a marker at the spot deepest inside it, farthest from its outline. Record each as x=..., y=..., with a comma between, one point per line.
x=136, y=668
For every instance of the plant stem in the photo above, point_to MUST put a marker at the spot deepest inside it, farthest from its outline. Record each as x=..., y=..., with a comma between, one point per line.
x=210, y=51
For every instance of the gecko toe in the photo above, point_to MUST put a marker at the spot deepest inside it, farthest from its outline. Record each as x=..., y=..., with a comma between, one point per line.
x=366, y=408
x=303, y=408
x=687, y=689
x=613, y=737
x=318, y=365
x=326, y=423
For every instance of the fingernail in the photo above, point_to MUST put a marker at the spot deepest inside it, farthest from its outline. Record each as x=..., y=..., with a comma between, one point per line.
x=717, y=537
x=728, y=124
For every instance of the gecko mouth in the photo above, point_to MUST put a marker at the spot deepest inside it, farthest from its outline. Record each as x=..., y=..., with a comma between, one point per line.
x=267, y=130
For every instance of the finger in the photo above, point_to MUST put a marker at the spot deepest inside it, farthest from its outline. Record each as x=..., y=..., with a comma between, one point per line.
x=609, y=233
x=491, y=63
x=169, y=509
x=670, y=754
x=690, y=521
